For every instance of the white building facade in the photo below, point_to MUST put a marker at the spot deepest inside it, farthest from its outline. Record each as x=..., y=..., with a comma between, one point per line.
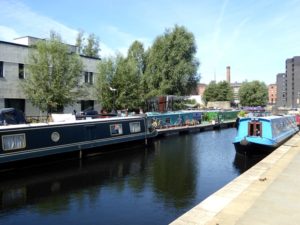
x=13, y=60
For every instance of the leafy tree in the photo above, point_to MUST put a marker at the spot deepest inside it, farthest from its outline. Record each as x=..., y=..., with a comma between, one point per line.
x=171, y=66
x=253, y=93
x=92, y=47
x=211, y=92
x=79, y=41
x=136, y=53
x=127, y=80
x=104, y=84
x=120, y=78
x=54, y=74
x=225, y=91
x=218, y=92
x=89, y=47
x=136, y=60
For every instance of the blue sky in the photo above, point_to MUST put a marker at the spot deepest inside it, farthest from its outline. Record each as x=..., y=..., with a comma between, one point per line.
x=253, y=37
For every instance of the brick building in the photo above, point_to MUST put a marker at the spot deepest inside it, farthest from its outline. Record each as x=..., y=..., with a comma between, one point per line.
x=272, y=93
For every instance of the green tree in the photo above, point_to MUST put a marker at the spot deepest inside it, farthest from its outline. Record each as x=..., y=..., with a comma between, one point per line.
x=171, y=66
x=104, y=83
x=127, y=82
x=218, y=92
x=88, y=47
x=54, y=73
x=92, y=46
x=253, y=93
x=136, y=53
x=136, y=61
x=119, y=82
x=79, y=41
x=211, y=92
x=225, y=91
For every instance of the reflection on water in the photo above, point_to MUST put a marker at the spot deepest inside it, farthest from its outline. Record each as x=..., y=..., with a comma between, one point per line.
x=244, y=162
x=141, y=186
x=174, y=171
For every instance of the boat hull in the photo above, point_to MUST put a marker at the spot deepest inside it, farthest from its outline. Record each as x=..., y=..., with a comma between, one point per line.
x=50, y=139
x=253, y=148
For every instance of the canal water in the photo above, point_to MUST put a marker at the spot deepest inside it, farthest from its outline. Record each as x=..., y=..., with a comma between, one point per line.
x=153, y=185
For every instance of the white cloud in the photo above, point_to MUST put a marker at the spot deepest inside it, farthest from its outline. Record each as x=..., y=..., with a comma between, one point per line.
x=7, y=34
x=28, y=23
x=122, y=40
x=106, y=51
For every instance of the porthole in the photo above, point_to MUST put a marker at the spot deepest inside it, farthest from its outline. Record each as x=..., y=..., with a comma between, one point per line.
x=55, y=136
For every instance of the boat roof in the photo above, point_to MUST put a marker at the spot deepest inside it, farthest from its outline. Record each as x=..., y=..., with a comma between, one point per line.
x=266, y=118
x=17, y=126
x=171, y=112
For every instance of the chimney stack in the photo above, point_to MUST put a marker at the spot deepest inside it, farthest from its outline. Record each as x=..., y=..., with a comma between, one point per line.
x=228, y=74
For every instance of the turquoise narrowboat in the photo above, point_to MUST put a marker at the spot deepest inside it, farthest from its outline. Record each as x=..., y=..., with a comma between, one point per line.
x=264, y=134
x=174, y=118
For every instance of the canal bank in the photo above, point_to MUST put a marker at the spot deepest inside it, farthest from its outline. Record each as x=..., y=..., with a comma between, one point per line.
x=268, y=193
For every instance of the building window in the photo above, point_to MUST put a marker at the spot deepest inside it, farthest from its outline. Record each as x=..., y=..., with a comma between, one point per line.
x=87, y=105
x=21, y=71
x=15, y=103
x=88, y=77
x=1, y=69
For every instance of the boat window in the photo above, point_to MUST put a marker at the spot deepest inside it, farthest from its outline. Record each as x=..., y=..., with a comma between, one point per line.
x=254, y=129
x=13, y=142
x=116, y=129
x=135, y=127
x=168, y=120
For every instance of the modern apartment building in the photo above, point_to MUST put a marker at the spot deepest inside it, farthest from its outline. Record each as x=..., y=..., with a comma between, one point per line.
x=13, y=60
x=293, y=82
x=281, y=90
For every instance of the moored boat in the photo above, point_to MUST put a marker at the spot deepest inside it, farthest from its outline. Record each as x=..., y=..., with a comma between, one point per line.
x=264, y=134
x=174, y=118
x=25, y=141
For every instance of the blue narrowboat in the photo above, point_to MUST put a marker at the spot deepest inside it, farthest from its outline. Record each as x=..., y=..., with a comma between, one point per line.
x=26, y=141
x=264, y=134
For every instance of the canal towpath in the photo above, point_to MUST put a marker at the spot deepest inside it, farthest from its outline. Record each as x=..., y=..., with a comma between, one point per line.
x=267, y=193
